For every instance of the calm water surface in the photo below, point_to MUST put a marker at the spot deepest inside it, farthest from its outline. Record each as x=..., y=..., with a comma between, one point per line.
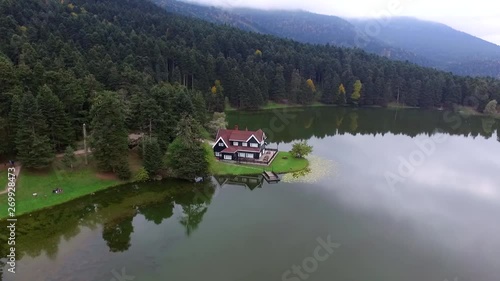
x=407, y=195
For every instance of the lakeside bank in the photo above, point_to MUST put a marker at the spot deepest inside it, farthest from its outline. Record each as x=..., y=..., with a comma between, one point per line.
x=86, y=180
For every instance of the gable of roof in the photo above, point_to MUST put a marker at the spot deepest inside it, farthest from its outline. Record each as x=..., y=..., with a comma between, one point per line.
x=223, y=135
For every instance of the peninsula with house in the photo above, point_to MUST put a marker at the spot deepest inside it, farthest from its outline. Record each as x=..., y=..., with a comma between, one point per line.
x=243, y=146
x=246, y=152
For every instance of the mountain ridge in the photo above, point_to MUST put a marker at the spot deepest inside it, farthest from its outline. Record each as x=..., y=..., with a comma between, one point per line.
x=397, y=40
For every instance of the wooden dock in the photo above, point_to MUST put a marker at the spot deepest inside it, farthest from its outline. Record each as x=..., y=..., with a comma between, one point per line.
x=271, y=177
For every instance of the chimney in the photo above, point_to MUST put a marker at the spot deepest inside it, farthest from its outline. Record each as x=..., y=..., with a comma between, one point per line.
x=236, y=127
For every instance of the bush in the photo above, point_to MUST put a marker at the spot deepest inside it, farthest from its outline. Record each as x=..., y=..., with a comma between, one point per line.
x=141, y=175
x=301, y=149
x=491, y=108
x=123, y=172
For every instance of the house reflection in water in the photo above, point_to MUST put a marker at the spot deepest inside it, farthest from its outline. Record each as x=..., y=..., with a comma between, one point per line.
x=250, y=182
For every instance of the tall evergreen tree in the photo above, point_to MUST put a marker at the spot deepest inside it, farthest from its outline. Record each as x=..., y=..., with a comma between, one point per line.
x=186, y=155
x=32, y=144
x=200, y=108
x=109, y=137
x=59, y=126
x=296, y=88
x=152, y=157
x=278, y=85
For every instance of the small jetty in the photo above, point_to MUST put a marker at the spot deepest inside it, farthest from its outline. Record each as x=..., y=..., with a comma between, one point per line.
x=271, y=177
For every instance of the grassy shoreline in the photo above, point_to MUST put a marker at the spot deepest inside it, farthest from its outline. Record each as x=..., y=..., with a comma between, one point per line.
x=75, y=184
x=282, y=164
x=274, y=105
x=86, y=180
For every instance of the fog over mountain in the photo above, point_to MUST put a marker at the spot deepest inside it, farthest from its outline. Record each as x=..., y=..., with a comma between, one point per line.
x=403, y=38
x=480, y=18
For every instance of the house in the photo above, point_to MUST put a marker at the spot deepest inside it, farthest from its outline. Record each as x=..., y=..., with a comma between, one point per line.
x=241, y=145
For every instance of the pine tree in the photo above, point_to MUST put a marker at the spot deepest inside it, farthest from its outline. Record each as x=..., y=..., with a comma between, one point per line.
x=200, y=108
x=176, y=75
x=59, y=125
x=32, y=144
x=278, y=85
x=69, y=157
x=296, y=93
x=186, y=155
x=109, y=138
x=152, y=157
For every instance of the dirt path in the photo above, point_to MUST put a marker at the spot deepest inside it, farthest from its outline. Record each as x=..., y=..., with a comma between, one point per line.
x=18, y=170
x=77, y=152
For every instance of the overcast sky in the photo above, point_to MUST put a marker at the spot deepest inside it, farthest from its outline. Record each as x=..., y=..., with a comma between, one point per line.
x=479, y=17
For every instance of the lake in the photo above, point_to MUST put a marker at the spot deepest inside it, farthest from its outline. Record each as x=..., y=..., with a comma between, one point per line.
x=406, y=195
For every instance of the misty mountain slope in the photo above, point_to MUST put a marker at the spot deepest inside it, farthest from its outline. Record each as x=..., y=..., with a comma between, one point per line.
x=300, y=26
x=211, y=14
x=296, y=25
x=406, y=39
x=448, y=48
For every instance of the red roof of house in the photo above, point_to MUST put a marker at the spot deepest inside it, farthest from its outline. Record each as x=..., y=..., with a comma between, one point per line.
x=233, y=149
x=239, y=135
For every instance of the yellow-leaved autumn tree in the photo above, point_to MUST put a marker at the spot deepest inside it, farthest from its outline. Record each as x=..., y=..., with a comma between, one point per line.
x=310, y=84
x=258, y=52
x=340, y=97
x=217, y=87
x=356, y=95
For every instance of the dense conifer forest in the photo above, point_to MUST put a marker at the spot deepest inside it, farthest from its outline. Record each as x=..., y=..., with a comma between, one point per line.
x=58, y=59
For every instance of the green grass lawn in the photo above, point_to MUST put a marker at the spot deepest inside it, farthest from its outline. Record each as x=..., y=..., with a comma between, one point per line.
x=74, y=184
x=395, y=105
x=275, y=105
x=283, y=163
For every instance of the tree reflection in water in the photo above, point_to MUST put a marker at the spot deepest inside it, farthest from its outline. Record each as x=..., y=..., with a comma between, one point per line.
x=113, y=209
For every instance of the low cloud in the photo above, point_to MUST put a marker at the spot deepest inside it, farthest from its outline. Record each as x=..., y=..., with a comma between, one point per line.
x=480, y=18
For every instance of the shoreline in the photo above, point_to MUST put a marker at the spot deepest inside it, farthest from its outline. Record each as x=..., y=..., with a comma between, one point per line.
x=217, y=169
x=274, y=105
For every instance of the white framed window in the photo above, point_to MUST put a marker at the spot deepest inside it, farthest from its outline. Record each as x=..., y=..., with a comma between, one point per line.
x=221, y=144
x=254, y=145
x=235, y=143
x=249, y=155
x=242, y=155
x=217, y=154
x=245, y=144
x=228, y=157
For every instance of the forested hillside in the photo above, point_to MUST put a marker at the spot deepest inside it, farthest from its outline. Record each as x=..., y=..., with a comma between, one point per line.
x=297, y=25
x=406, y=39
x=60, y=57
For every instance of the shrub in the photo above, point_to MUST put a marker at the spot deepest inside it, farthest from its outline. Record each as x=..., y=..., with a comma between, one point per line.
x=141, y=175
x=491, y=108
x=301, y=149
